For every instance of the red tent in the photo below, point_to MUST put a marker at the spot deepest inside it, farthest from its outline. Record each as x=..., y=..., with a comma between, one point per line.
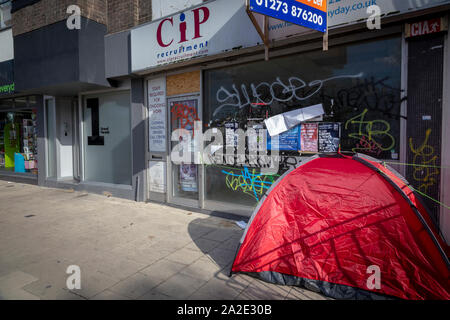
x=325, y=224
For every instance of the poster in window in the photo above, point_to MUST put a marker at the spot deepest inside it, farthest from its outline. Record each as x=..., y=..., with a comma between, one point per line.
x=184, y=114
x=188, y=177
x=157, y=176
x=230, y=134
x=256, y=138
x=309, y=137
x=157, y=114
x=329, y=137
x=287, y=141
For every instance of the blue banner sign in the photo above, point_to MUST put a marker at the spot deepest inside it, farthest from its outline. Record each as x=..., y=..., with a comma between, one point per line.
x=307, y=13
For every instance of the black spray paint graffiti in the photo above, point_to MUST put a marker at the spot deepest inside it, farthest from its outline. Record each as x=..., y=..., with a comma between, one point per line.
x=286, y=162
x=370, y=94
x=266, y=93
x=376, y=101
x=373, y=136
x=289, y=162
x=370, y=110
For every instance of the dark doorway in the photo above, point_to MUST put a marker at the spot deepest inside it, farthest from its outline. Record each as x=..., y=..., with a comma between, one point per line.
x=424, y=125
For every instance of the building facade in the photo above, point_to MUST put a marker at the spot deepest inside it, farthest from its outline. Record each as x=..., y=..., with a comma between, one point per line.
x=54, y=80
x=106, y=99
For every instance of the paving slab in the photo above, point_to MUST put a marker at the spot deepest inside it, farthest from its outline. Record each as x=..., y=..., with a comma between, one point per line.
x=17, y=294
x=219, y=289
x=205, y=245
x=163, y=269
x=135, y=286
x=15, y=280
x=109, y=295
x=52, y=289
x=155, y=295
x=185, y=255
x=203, y=269
x=180, y=286
x=259, y=290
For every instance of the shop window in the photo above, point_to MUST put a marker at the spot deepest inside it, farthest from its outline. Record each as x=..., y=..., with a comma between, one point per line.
x=5, y=14
x=18, y=141
x=7, y=103
x=32, y=100
x=21, y=102
x=107, y=138
x=358, y=86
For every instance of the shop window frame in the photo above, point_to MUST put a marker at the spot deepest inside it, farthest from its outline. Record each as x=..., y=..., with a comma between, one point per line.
x=298, y=49
x=3, y=26
x=15, y=108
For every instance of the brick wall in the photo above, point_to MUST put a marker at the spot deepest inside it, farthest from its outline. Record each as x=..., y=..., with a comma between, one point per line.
x=145, y=11
x=118, y=15
x=123, y=15
x=47, y=12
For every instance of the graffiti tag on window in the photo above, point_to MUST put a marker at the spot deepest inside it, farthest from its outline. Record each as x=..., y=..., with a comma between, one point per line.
x=373, y=136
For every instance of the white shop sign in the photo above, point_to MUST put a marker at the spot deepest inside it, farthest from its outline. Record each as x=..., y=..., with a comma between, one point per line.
x=203, y=30
x=157, y=114
x=344, y=12
x=348, y=11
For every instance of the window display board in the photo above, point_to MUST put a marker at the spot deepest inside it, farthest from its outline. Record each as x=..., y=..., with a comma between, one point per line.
x=309, y=137
x=29, y=142
x=18, y=134
x=231, y=138
x=18, y=142
x=184, y=113
x=287, y=141
x=157, y=176
x=157, y=114
x=2, y=143
x=11, y=143
x=329, y=137
x=188, y=177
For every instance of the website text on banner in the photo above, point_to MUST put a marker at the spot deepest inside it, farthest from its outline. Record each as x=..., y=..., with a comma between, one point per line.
x=307, y=13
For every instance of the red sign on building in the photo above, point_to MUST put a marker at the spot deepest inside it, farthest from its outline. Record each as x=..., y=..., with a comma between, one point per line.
x=425, y=27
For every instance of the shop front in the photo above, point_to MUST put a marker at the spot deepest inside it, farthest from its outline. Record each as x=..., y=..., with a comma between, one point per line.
x=381, y=97
x=85, y=123
x=18, y=136
x=174, y=104
x=366, y=91
x=87, y=142
x=358, y=86
x=175, y=99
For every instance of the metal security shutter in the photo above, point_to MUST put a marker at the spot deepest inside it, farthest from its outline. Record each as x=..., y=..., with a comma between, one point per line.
x=424, y=112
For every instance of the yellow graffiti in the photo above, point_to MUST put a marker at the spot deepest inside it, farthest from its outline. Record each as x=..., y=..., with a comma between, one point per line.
x=366, y=132
x=250, y=183
x=424, y=163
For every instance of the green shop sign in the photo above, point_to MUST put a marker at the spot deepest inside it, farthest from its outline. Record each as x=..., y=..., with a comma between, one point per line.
x=7, y=88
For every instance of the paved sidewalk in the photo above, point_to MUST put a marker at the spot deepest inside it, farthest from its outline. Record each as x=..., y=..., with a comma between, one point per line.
x=125, y=250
